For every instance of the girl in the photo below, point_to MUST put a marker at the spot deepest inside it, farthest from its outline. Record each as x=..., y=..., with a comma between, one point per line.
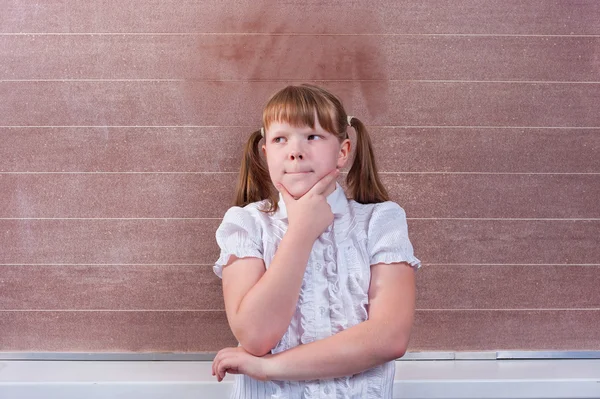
x=319, y=289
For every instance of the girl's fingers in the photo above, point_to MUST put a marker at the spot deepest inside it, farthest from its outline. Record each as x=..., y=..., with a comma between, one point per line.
x=219, y=358
x=227, y=360
x=231, y=363
x=320, y=186
x=217, y=368
x=223, y=366
x=214, y=364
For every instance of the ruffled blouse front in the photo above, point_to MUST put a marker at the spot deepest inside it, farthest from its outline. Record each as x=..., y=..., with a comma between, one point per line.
x=334, y=293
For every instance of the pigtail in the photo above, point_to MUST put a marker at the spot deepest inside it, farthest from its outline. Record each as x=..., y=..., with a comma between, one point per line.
x=254, y=182
x=362, y=180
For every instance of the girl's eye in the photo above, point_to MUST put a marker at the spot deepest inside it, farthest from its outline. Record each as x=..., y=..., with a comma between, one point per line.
x=314, y=137
x=278, y=140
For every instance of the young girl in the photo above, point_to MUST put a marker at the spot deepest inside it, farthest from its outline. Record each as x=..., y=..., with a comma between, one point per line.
x=319, y=289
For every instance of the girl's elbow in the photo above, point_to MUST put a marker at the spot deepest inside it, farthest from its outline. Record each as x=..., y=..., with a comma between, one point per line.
x=255, y=349
x=255, y=344
x=392, y=351
x=395, y=347
x=392, y=340
x=399, y=351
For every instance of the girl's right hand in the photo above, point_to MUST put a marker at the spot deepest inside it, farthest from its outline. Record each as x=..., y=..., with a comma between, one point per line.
x=310, y=214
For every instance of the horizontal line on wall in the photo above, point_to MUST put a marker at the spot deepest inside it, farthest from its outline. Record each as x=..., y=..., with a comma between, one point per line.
x=118, y=173
x=512, y=264
x=112, y=310
x=209, y=356
x=253, y=127
x=182, y=218
x=477, y=127
x=488, y=173
x=211, y=264
x=104, y=264
x=536, y=219
x=312, y=80
x=511, y=310
x=229, y=173
x=287, y=34
x=222, y=310
x=81, y=218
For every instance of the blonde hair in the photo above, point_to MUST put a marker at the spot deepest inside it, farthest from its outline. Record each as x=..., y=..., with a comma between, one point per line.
x=298, y=105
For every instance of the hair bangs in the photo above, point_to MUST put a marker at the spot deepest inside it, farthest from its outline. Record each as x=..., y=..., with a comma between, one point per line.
x=298, y=105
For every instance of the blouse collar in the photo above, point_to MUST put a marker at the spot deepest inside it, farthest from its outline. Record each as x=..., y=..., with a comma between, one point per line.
x=337, y=201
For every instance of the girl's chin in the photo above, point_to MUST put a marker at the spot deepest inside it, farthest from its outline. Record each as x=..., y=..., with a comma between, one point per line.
x=298, y=189
x=298, y=193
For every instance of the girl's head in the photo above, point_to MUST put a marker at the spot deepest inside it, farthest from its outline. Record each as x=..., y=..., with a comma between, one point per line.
x=305, y=138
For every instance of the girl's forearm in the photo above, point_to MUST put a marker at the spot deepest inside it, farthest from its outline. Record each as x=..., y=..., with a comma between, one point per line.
x=351, y=351
x=265, y=312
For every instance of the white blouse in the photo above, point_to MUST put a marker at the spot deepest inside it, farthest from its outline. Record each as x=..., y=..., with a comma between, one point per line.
x=335, y=289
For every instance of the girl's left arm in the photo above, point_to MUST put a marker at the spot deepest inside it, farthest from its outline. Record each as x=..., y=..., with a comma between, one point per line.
x=381, y=338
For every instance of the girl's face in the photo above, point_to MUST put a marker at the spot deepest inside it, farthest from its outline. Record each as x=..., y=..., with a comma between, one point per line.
x=298, y=157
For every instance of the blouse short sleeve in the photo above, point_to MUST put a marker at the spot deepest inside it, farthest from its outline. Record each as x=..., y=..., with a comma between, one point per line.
x=240, y=235
x=388, y=236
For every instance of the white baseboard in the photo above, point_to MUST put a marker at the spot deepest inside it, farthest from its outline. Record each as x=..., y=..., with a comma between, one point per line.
x=419, y=379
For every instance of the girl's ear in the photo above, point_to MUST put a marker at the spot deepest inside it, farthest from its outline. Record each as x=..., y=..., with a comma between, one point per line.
x=264, y=150
x=344, y=154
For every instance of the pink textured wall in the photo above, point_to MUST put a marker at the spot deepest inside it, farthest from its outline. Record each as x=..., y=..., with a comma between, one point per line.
x=122, y=125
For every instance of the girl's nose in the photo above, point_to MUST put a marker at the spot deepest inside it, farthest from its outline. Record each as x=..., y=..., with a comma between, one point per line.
x=295, y=155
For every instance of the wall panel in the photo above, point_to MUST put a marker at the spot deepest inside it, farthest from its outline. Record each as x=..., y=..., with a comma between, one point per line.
x=122, y=126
